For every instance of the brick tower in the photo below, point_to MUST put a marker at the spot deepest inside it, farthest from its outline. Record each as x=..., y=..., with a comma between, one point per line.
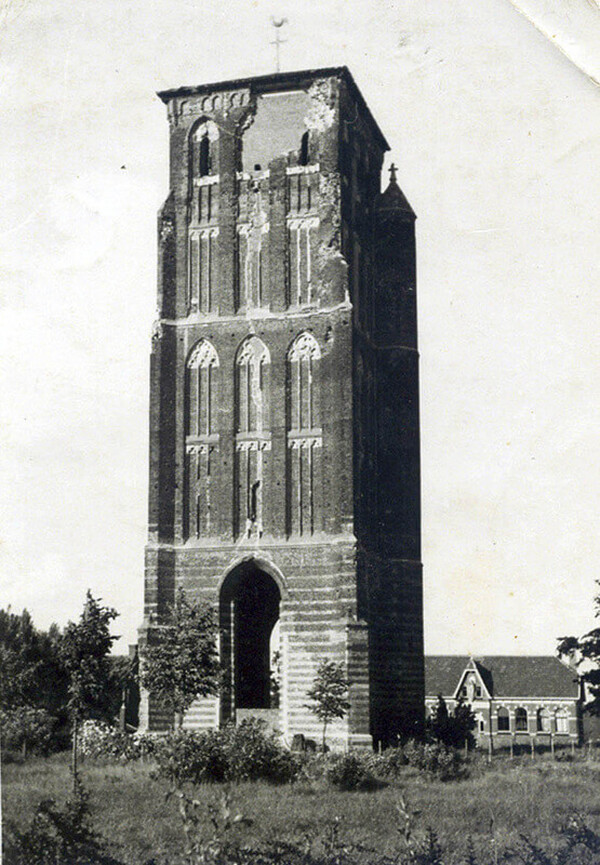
x=284, y=422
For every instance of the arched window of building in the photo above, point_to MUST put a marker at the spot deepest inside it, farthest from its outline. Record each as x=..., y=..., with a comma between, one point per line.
x=201, y=438
x=304, y=435
x=503, y=720
x=203, y=228
x=303, y=358
x=521, y=720
x=204, y=142
x=253, y=439
x=201, y=367
x=303, y=156
x=204, y=156
x=544, y=722
x=562, y=721
x=252, y=364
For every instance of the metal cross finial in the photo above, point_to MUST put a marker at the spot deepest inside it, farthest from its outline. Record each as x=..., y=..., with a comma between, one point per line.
x=278, y=24
x=392, y=169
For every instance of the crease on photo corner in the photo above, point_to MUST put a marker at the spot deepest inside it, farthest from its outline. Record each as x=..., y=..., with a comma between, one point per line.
x=566, y=24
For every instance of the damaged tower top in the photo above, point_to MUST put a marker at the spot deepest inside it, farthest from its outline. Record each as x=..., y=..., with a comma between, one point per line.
x=284, y=421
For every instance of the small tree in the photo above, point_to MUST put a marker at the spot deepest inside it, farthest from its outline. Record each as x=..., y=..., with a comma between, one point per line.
x=463, y=723
x=85, y=647
x=585, y=651
x=452, y=729
x=31, y=672
x=181, y=662
x=328, y=694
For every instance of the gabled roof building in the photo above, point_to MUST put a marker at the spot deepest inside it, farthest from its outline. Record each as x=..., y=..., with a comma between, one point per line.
x=516, y=699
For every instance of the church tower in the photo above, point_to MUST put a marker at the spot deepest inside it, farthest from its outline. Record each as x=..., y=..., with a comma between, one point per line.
x=284, y=420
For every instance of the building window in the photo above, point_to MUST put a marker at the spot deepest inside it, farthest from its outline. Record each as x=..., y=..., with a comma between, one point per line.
x=304, y=435
x=201, y=367
x=204, y=156
x=544, y=724
x=521, y=720
x=562, y=721
x=252, y=362
x=303, y=157
x=503, y=720
x=253, y=439
x=204, y=142
x=201, y=438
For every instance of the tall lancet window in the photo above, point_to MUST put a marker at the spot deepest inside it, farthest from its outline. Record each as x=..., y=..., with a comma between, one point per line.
x=305, y=437
x=201, y=437
x=203, y=148
x=204, y=155
x=203, y=228
x=253, y=437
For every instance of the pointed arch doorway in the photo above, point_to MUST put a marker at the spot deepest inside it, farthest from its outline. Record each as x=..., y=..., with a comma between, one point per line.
x=249, y=604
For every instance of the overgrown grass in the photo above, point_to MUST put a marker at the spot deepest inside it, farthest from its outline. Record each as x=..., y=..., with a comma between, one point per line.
x=502, y=803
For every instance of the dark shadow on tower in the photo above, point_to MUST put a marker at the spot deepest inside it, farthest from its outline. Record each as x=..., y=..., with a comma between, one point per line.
x=248, y=611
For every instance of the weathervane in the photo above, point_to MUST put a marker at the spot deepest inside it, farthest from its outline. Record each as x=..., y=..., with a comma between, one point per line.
x=278, y=24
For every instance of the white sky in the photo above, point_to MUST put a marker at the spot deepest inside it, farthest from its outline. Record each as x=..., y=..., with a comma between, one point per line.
x=497, y=137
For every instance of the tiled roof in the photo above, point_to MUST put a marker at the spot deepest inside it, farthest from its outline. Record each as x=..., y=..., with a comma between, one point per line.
x=503, y=675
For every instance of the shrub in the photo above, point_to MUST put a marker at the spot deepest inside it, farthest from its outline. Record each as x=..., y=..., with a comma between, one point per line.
x=349, y=772
x=391, y=762
x=189, y=756
x=99, y=740
x=252, y=753
x=26, y=729
x=145, y=744
x=435, y=759
x=243, y=753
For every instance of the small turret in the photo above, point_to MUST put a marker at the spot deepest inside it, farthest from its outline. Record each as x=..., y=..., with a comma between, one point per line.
x=393, y=199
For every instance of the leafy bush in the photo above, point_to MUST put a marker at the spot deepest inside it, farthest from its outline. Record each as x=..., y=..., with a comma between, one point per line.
x=349, y=772
x=26, y=729
x=251, y=753
x=391, y=762
x=242, y=753
x=189, y=756
x=145, y=744
x=435, y=759
x=99, y=740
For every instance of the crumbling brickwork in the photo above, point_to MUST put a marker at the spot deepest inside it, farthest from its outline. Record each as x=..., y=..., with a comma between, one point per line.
x=284, y=425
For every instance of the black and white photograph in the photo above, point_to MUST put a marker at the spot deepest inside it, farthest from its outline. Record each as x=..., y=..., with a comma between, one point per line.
x=300, y=463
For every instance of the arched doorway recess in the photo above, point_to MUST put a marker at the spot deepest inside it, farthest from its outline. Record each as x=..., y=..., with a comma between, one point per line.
x=248, y=613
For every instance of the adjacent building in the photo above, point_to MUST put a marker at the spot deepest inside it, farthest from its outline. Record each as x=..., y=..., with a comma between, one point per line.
x=515, y=698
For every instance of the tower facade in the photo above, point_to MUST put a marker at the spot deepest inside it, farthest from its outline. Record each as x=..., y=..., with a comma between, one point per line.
x=284, y=422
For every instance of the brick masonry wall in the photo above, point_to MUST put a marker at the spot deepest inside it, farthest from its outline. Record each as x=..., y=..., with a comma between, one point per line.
x=363, y=609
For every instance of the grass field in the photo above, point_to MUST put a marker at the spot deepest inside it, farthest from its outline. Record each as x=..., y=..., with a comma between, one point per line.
x=501, y=802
